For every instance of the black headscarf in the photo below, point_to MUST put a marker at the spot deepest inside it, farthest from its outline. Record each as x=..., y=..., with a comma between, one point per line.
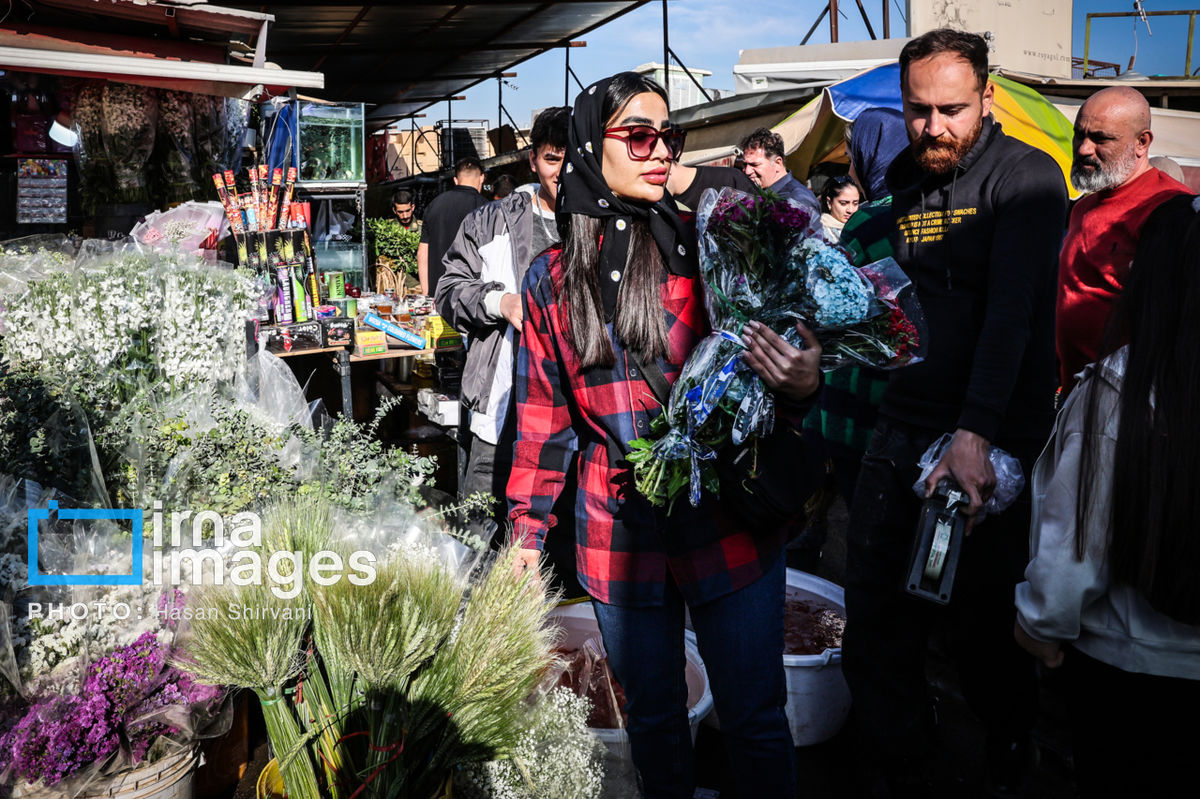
x=583, y=190
x=878, y=137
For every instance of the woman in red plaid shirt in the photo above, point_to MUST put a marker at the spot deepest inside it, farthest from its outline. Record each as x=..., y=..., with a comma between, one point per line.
x=624, y=290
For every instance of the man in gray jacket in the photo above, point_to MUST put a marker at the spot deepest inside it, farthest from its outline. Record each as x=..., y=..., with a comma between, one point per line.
x=479, y=296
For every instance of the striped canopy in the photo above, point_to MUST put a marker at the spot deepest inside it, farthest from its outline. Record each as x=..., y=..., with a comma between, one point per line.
x=816, y=130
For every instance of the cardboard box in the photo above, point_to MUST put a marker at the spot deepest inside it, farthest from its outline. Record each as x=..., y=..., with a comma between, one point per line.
x=395, y=331
x=369, y=337
x=339, y=331
x=291, y=338
x=370, y=349
x=439, y=408
x=435, y=340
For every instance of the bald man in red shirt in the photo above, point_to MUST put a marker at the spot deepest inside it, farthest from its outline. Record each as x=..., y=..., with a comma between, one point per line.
x=1112, y=161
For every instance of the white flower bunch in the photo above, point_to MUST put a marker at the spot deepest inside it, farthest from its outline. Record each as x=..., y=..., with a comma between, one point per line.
x=51, y=648
x=130, y=322
x=557, y=757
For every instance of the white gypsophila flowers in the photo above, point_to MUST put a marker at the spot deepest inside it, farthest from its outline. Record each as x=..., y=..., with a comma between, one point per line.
x=54, y=646
x=558, y=753
x=161, y=319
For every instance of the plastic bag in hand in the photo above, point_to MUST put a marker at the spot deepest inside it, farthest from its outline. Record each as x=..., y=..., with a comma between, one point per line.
x=1010, y=477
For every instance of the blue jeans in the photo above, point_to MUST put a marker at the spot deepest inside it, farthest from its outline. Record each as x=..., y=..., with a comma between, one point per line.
x=740, y=636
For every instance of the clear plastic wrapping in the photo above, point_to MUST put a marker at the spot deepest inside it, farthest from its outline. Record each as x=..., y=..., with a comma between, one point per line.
x=176, y=130
x=130, y=115
x=763, y=259
x=1010, y=477
x=185, y=228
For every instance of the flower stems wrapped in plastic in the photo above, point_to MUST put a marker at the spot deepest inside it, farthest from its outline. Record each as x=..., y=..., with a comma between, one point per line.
x=762, y=258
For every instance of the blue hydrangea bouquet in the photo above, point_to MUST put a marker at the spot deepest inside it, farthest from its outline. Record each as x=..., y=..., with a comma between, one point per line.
x=764, y=258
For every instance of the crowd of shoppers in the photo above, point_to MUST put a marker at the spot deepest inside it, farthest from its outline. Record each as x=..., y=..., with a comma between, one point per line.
x=580, y=294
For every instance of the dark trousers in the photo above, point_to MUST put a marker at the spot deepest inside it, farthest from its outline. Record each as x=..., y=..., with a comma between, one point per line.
x=485, y=473
x=486, y=470
x=740, y=636
x=883, y=654
x=1132, y=734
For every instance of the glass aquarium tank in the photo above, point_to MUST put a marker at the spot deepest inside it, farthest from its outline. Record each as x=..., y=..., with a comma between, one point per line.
x=331, y=142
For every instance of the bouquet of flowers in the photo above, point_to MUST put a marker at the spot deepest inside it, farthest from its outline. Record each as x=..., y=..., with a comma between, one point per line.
x=762, y=258
x=130, y=114
x=385, y=687
x=132, y=705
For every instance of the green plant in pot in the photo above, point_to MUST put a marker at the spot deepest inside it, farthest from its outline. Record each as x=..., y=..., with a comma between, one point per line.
x=395, y=246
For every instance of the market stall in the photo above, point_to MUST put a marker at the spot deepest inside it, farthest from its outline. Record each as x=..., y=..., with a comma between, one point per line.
x=133, y=121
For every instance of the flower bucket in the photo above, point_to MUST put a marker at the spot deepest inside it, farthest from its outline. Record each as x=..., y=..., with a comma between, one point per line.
x=270, y=784
x=579, y=624
x=167, y=778
x=818, y=699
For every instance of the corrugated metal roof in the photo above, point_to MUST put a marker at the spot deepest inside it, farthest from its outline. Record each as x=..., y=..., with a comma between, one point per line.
x=403, y=57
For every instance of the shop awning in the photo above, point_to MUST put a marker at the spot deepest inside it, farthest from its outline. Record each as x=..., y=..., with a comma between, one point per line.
x=173, y=45
x=192, y=76
x=404, y=57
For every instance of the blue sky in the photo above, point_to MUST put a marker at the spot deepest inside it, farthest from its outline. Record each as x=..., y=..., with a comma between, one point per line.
x=707, y=34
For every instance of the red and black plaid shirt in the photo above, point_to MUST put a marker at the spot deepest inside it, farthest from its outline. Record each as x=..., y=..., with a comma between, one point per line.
x=624, y=546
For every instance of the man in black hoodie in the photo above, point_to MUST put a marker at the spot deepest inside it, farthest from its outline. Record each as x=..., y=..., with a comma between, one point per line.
x=979, y=221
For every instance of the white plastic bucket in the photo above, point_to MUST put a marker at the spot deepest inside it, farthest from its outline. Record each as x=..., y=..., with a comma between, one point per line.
x=579, y=624
x=620, y=778
x=818, y=699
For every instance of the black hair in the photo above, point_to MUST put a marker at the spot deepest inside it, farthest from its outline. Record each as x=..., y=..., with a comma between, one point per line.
x=1153, y=544
x=970, y=47
x=550, y=128
x=765, y=139
x=833, y=187
x=639, y=322
x=467, y=164
x=402, y=197
x=503, y=186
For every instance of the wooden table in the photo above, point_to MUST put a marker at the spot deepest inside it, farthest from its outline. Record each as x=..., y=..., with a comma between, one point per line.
x=343, y=359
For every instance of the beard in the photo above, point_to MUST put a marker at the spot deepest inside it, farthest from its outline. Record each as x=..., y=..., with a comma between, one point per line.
x=1090, y=174
x=939, y=156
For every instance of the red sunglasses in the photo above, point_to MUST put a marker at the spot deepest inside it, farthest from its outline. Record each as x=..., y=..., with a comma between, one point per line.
x=641, y=140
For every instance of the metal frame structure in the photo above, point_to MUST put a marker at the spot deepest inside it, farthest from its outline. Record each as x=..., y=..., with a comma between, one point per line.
x=1143, y=14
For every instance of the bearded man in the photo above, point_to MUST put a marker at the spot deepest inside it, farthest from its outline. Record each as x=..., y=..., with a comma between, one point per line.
x=979, y=218
x=1112, y=161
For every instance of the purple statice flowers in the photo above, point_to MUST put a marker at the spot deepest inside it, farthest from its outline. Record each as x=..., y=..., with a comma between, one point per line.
x=125, y=696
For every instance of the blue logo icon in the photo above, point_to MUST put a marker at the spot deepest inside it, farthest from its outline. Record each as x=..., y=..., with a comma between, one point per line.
x=112, y=514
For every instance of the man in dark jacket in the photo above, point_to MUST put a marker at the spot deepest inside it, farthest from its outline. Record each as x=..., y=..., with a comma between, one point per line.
x=979, y=221
x=442, y=218
x=762, y=153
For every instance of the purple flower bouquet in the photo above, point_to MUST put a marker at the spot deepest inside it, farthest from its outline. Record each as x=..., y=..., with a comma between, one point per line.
x=129, y=699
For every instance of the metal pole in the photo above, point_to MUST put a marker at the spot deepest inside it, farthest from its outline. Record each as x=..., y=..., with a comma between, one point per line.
x=887, y=20
x=1191, y=32
x=666, y=56
x=1087, y=44
x=567, y=78
x=866, y=19
x=415, y=168
x=833, y=21
x=688, y=72
x=450, y=127
x=499, y=119
x=813, y=29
